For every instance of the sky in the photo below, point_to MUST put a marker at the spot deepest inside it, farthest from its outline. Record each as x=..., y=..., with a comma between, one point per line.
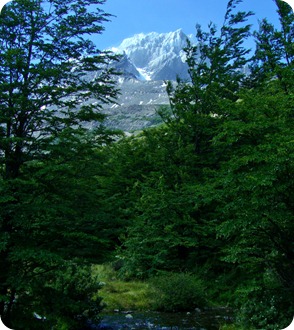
x=144, y=16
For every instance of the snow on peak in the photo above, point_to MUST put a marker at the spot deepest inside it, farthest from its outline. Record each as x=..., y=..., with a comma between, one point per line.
x=156, y=56
x=144, y=75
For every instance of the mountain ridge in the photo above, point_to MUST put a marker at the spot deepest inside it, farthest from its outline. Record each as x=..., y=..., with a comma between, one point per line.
x=155, y=56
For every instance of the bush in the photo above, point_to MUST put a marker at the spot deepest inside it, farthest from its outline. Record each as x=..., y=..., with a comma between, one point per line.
x=264, y=308
x=178, y=292
x=61, y=300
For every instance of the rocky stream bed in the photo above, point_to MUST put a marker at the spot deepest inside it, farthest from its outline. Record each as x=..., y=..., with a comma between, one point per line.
x=209, y=319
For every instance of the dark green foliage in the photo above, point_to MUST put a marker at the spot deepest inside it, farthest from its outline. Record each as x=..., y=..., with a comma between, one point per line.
x=274, y=50
x=211, y=189
x=206, y=197
x=52, y=218
x=255, y=202
x=180, y=159
x=60, y=298
x=177, y=292
x=45, y=58
x=265, y=308
x=254, y=187
x=160, y=199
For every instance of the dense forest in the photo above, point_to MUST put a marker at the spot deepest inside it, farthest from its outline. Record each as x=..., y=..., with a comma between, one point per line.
x=205, y=197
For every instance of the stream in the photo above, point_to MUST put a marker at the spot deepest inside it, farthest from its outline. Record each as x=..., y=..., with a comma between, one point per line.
x=198, y=320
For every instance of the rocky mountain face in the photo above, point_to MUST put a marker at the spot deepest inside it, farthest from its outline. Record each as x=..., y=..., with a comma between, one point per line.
x=156, y=56
x=148, y=60
x=137, y=105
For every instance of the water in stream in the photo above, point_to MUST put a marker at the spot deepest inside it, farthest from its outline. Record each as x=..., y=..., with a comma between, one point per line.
x=198, y=320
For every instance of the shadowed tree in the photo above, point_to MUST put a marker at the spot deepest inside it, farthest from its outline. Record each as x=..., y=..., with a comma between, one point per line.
x=49, y=216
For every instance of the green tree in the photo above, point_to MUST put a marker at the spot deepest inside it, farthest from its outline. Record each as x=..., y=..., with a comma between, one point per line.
x=217, y=183
x=256, y=184
x=255, y=208
x=274, y=50
x=165, y=228
x=171, y=203
x=53, y=83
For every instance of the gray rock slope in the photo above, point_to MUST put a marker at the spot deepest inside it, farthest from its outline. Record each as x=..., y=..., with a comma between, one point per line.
x=137, y=105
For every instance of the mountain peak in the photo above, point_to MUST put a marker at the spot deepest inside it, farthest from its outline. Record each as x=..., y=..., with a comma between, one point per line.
x=157, y=56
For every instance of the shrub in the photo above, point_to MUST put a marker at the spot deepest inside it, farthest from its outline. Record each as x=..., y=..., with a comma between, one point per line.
x=267, y=309
x=178, y=292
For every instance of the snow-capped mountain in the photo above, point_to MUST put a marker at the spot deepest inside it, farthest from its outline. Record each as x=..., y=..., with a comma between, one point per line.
x=154, y=56
x=147, y=61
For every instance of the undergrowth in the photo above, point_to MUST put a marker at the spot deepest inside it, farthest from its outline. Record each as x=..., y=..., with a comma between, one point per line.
x=122, y=295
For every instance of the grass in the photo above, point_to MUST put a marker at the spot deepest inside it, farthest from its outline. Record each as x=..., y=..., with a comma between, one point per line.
x=130, y=295
x=232, y=327
x=121, y=295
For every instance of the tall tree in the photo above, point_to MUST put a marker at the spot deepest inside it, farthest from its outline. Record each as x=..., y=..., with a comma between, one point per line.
x=255, y=211
x=172, y=207
x=274, y=49
x=218, y=184
x=255, y=181
x=53, y=84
